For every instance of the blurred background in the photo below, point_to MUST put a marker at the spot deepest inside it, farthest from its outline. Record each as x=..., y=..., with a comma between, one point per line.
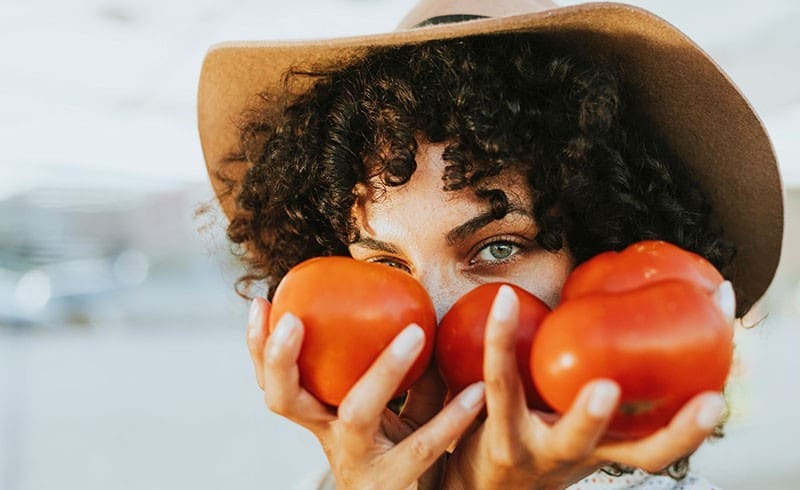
x=122, y=355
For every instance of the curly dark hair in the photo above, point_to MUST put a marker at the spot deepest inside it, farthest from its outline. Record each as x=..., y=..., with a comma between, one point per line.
x=600, y=175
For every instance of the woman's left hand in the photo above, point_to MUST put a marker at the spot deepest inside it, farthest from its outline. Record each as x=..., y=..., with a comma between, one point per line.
x=367, y=445
x=518, y=448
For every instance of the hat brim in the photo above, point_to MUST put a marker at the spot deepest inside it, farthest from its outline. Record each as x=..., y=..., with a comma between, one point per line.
x=693, y=105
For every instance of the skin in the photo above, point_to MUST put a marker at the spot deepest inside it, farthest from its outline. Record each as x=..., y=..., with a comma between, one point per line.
x=411, y=227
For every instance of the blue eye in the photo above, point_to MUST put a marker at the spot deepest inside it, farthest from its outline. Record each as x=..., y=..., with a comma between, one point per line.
x=498, y=251
x=393, y=263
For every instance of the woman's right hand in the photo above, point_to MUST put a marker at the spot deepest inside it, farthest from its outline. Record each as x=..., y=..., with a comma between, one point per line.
x=367, y=445
x=519, y=448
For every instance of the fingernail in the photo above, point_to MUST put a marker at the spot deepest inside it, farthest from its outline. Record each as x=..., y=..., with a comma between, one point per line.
x=726, y=299
x=285, y=325
x=472, y=396
x=710, y=412
x=503, y=304
x=254, y=318
x=408, y=341
x=602, y=399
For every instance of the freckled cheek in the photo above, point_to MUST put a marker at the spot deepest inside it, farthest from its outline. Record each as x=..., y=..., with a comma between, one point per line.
x=543, y=280
x=552, y=295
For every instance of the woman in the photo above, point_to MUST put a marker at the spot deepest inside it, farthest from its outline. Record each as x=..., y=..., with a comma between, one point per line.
x=464, y=159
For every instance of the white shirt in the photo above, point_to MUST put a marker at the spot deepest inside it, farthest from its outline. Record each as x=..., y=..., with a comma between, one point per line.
x=638, y=480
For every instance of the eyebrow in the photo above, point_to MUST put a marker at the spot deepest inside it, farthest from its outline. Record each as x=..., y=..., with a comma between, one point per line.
x=454, y=236
x=378, y=245
x=460, y=232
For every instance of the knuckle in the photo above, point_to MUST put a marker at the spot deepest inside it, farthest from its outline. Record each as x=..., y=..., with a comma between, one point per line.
x=350, y=420
x=500, y=340
x=274, y=359
x=655, y=465
x=498, y=382
x=276, y=404
x=255, y=352
x=253, y=343
x=420, y=450
x=569, y=453
x=506, y=457
x=252, y=347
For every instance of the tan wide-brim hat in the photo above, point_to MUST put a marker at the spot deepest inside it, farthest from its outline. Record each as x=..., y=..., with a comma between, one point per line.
x=692, y=103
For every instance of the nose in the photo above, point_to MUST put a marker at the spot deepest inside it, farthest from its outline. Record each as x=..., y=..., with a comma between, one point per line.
x=444, y=288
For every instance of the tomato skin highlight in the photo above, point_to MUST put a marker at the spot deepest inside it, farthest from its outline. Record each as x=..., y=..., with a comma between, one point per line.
x=645, y=319
x=460, y=339
x=351, y=311
x=641, y=263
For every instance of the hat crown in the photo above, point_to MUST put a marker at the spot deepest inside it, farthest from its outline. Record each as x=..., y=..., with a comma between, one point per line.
x=425, y=10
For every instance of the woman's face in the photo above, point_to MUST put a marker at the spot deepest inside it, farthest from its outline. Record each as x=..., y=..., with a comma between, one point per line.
x=444, y=239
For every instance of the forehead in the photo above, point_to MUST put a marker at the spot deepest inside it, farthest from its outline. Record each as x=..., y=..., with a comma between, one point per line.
x=422, y=201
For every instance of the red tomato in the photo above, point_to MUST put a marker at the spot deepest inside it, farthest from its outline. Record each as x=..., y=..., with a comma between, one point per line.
x=663, y=340
x=351, y=311
x=642, y=263
x=460, y=339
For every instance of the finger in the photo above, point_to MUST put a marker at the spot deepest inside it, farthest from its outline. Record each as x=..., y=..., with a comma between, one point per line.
x=282, y=391
x=725, y=298
x=360, y=411
x=576, y=434
x=418, y=451
x=425, y=398
x=505, y=397
x=256, y=334
x=684, y=434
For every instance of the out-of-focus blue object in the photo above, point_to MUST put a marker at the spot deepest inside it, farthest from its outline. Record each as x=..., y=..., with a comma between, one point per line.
x=67, y=253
